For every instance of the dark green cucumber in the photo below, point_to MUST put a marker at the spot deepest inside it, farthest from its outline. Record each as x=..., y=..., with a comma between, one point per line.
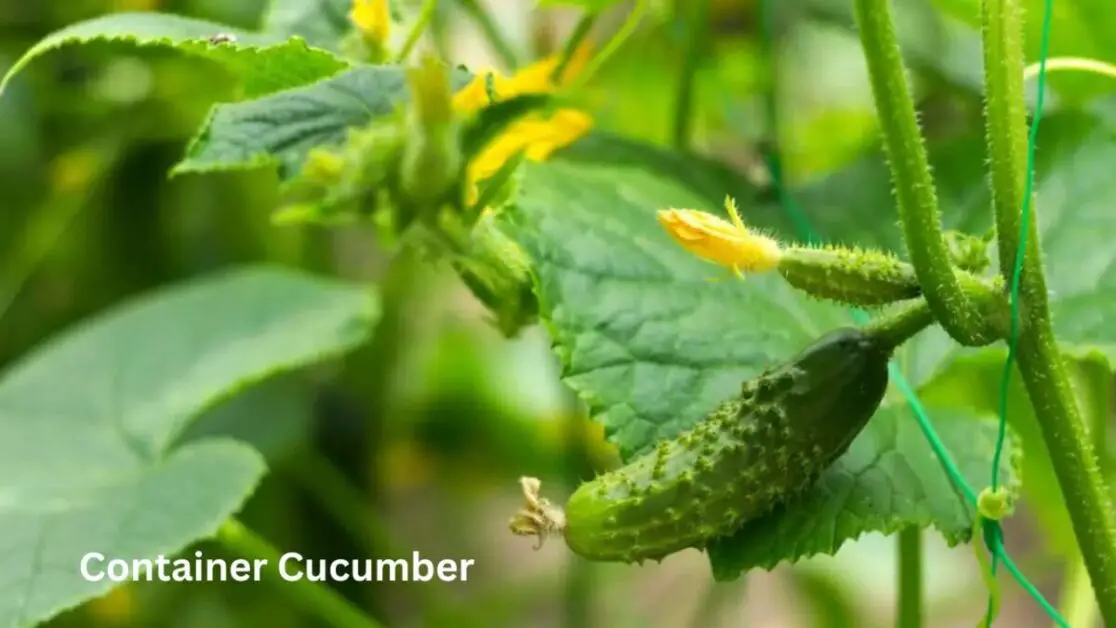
x=747, y=456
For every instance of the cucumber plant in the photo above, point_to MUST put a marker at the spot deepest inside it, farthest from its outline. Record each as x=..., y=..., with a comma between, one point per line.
x=748, y=415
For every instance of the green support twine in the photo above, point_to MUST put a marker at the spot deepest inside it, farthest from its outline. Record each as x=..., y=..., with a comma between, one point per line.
x=991, y=504
x=995, y=541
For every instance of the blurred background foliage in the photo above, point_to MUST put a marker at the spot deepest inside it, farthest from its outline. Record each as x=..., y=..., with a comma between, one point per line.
x=416, y=440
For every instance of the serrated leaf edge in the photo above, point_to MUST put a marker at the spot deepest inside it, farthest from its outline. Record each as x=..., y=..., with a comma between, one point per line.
x=198, y=47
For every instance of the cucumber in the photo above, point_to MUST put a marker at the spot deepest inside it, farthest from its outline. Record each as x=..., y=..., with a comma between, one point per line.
x=748, y=455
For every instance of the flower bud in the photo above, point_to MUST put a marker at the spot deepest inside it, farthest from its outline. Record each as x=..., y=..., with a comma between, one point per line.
x=498, y=273
x=432, y=166
x=968, y=252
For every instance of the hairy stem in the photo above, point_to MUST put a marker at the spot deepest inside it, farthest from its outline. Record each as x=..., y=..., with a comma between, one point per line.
x=696, y=20
x=318, y=599
x=1073, y=458
x=900, y=325
x=909, y=614
x=1040, y=363
x=910, y=173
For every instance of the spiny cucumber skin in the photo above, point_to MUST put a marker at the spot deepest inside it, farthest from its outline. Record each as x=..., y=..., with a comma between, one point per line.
x=852, y=277
x=747, y=456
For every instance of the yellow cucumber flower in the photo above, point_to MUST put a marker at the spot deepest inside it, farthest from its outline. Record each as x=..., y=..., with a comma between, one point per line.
x=533, y=79
x=536, y=135
x=373, y=20
x=714, y=239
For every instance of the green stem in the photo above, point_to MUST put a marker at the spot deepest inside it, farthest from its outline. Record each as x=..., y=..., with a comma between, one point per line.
x=1074, y=460
x=1040, y=363
x=417, y=29
x=900, y=325
x=320, y=600
x=910, y=174
x=910, y=578
x=343, y=501
x=492, y=33
x=439, y=32
x=631, y=23
x=698, y=19
x=580, y=32
x=1075, y=64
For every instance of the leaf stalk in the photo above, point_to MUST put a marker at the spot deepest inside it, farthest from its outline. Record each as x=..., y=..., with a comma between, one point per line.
x=910, y=579
x=318, y=599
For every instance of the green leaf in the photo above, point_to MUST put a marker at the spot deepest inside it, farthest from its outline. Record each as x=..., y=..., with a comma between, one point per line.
x=323, y=23
x=652, y=346
x=263, y=63
x=88, y=420
x=888, y=480
x=271, y=416
x=643, y=334
x=280, y=129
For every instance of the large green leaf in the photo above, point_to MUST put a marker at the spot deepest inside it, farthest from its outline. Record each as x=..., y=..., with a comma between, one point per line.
x=87, y=422
x=652, y=346
x=323, y=23
x=263, y=63
x=280, y=129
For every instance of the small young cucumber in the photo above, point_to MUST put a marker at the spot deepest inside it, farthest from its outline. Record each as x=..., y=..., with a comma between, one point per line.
x=747, y=456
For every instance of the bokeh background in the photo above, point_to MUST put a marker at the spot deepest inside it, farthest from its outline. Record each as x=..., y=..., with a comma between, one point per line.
x=416, y=441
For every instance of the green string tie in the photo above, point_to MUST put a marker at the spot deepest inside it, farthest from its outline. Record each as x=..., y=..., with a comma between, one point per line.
x=992, y=504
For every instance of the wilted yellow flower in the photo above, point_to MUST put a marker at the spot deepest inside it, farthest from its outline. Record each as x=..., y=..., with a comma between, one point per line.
x=373, y=19
x=716, y=240
x=537, y=136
